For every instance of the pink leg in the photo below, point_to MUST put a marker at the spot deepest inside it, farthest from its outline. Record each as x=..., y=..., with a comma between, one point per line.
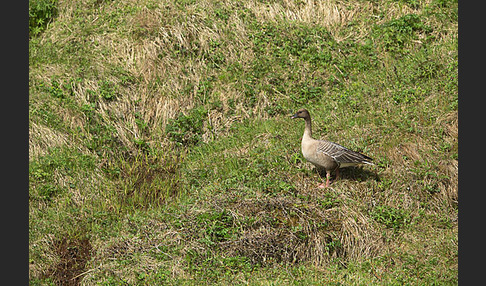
x=328, y=175
x=337, y=174
x=328, y=178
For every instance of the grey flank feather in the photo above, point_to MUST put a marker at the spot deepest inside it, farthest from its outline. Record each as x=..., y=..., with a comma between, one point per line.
x=342, y=154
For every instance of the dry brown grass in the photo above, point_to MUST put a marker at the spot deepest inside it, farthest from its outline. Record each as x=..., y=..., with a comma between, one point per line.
x=334, y=15
x=145, y=45
x=138, y=252
x=273, y=238
x=289, y=230
x=41, y=138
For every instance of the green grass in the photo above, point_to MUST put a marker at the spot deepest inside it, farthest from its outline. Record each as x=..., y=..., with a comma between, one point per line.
x=162, y=149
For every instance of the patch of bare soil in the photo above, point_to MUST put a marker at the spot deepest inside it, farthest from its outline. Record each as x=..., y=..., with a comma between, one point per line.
x=73, y=255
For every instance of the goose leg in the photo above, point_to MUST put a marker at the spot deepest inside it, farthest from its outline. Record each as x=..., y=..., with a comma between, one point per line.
x=328, y=176
x=337, y=174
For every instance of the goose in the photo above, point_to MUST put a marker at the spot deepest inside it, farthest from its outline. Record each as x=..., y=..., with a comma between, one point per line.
x=327, y=155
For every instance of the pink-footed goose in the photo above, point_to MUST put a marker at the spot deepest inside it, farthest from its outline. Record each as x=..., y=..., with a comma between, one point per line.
x=325, y=154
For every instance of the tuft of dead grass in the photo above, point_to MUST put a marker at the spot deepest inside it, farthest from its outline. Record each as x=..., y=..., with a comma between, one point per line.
x=359, y=236
x=289, y=231
x=41, y=138
x=144, y=244
x=335, y=16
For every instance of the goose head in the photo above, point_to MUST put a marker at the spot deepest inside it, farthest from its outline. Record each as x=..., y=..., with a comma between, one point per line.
x=301, y=113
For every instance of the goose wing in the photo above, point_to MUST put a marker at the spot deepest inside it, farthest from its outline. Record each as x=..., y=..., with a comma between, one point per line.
x=342, y=155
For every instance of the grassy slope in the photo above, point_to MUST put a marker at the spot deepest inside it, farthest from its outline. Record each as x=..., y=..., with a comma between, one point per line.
x=161, y=148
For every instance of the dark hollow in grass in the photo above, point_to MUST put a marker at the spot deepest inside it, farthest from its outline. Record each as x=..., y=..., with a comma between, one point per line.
x=73, y=255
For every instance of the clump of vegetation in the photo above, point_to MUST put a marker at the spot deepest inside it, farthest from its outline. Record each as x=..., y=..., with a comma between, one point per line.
x=188, y=129
x=390, y=217
x=398, y=32
x=41, y=13
x=146, y=180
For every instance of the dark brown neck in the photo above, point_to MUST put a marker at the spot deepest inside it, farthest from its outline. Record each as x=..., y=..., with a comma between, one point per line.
x=308, y=127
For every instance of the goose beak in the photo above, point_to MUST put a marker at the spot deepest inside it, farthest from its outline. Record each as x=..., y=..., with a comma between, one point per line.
x=293, y=116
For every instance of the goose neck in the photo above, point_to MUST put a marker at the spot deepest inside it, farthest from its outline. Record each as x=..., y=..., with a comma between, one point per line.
x=308, y=128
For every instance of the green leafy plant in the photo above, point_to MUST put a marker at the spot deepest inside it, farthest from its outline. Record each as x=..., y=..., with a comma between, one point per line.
x=41, y=13
x=396, y=33
x=107, y=90
x=61, y=161
x=55, y=89
x=389, y=216
x=218, y=226
x=187, y=129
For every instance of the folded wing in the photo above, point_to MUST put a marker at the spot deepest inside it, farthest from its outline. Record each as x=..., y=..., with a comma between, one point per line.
x=342, y=155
